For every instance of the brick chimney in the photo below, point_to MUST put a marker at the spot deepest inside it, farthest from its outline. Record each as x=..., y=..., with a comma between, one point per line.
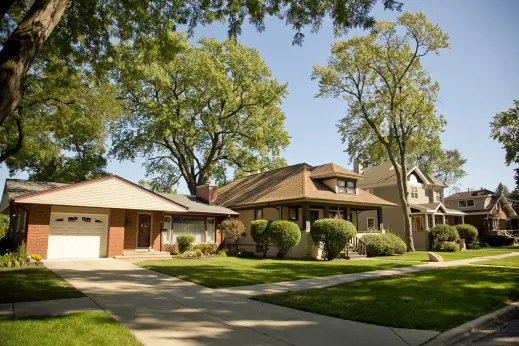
x=358, y=168
x=207, y=192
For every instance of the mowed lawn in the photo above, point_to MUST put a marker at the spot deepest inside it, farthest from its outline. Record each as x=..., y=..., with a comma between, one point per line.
x=508, y=261
x=447, y=256
x=218, y=272
x=437, y=299
x=33, y=284
x=85, y=328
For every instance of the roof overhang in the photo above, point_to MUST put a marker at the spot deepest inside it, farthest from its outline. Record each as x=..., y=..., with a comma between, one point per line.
x=337, y=175
x=107, y=192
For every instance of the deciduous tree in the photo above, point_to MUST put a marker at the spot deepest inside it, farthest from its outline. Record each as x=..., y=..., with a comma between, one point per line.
x=390, y=96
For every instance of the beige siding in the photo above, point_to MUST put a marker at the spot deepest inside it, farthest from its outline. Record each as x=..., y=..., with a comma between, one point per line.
x=108, y=193
x=479, y=203
x=79, y=210
x=247, y=216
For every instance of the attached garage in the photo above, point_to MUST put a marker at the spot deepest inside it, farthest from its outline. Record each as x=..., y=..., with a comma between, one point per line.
x=75, y=235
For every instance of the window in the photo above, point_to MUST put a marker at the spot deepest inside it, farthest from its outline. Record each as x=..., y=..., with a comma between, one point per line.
x=370, y=191
x=86, y=219
x=469, y=203
x=72, y=218
x=438, y=195
x=371, y=223
x=346, y=186
x=211, y=230
x=189, y=225
x=414, y=192
x=293, y=214
x=60, y=219
x=258, y=214
x=99, y=221
x=166, y=230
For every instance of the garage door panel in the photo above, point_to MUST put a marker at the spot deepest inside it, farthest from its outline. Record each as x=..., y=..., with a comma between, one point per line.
x=77, y=236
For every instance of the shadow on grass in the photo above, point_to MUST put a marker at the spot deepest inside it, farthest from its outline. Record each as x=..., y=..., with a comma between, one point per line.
x=436, y=300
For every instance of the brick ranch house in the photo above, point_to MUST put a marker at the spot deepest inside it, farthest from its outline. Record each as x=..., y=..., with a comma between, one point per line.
x=106, y=217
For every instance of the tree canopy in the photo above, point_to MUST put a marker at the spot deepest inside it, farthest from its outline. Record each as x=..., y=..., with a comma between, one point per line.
x=505, y=130
x=195, y=111
x=390, y=97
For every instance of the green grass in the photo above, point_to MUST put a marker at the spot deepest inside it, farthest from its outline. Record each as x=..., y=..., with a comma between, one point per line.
x=437, y=299
x=447, y=256
x=510, y=248
x=33, y=283
x=507, y=261
x=220, y=272
x=84, y=328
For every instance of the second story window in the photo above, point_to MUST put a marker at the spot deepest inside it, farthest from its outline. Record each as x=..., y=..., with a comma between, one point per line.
x=346, y=186
x=438, y=195
x=469, y=203
x=414, y=192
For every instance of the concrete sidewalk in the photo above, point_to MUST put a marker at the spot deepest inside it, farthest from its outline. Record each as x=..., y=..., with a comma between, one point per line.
x=325, y=281
x=47, y=307
x=160, y=309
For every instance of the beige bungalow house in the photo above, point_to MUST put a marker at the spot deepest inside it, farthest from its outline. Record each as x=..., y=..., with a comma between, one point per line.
x=426, y=200
x=302, y=194
x=106, y=217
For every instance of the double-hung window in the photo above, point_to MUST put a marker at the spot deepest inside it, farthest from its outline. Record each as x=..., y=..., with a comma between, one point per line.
x=414, y=192
x=469, y=203
x=189, y=225
x=371, y=223
x=166, y=232
x=346, y=186
x=438, y=196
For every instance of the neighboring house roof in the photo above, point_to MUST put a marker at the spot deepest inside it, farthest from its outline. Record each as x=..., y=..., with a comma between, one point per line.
x=331, y=170
x=434, y=207
x=297, y=182
x=196, y=205
x=471, y=194
x=384, y=174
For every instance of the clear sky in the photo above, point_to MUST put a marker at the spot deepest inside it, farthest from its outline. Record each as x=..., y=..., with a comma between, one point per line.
x=478, y=76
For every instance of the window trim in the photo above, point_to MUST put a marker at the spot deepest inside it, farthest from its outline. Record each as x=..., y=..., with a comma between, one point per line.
x=466, y=203
x=346, y=181
x=367, y=223
x=297, y=214
x=414, y=189
x=441, y=195
x=172, y=230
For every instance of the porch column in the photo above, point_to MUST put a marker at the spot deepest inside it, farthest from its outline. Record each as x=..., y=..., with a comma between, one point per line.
x=433, y=220
x=462, y=219
x=306, y=216
x=326, y=212
x=348, y=214
x=426, y=216
x=380, y=219
x=443, y=216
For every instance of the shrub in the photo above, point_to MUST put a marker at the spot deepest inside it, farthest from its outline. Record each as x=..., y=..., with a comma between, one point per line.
x=190, y=254
x=10, y=259
x=184, y=242
x=469, y=233
x=332, y=235
x=36, y=257
x=448, y=246
x=206, y=248
x=499, y=240
x=246, y=254
x=4, y=225
x=441, y=233
x=285, y=235
x=232, y=230
x=260, y=232
x=386, y=244
x=221, y=253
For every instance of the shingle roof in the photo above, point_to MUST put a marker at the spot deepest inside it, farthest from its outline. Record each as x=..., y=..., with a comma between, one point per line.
x=333, y=170
x=434, y=206
x=385, y=174
x=196, y=205
x=289, y=183
x=19, y=187
x=471, y=194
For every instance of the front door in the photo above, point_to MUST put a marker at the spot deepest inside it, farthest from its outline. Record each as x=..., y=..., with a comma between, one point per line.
x=418, y=224
x=314, y=215
x=144, y=230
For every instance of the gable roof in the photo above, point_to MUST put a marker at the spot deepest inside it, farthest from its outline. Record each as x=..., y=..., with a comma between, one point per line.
x=435, y=207
x=296, y=182
x=471, y=194
x=196, y=205
x=384, y=174
x=330, y=170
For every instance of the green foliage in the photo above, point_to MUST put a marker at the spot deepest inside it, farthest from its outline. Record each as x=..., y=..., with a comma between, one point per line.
x=10, y=259
x=386, y=244
x=467, y=232
x=191, y=254
x=499, y=240
x=260, y=232
x=447, y=246
x=445, y=165
x=285, y=235
x=206, y=248
x=502, y=189
x=442, y=233
x=504, y=129
x=184, y=242
x=332, y=235
x=156, y=186
x=232, y=230
x=4, y=225
x=391, y=99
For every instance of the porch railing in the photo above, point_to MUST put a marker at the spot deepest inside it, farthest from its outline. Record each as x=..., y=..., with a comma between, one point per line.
x=358, y=245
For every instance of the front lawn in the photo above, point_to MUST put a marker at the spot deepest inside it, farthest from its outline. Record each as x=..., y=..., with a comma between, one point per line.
x=507, y=261
x=33, y=283
x=447, y=256
x=84, y=328
x=438, y=299
x=218, y=272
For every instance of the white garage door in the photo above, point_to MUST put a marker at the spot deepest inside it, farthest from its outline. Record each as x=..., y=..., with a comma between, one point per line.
x=77, y=236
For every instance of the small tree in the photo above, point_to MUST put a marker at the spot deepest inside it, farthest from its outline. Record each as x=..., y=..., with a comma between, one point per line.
x=285, y=235
x=469, y=233
x=332, y=236
x=260, y=231
x=232, y=230
x=184, y=242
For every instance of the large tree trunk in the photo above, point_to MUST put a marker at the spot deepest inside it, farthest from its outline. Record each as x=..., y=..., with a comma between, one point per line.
x=401, y=177
x=21, y=48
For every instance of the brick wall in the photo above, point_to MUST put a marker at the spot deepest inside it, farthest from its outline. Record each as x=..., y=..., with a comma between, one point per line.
x=38, y=227
x=130, y=231
x=155, y=231
x=116, y=232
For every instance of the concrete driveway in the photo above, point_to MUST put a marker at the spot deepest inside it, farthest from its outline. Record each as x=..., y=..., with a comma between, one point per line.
x=163, y=310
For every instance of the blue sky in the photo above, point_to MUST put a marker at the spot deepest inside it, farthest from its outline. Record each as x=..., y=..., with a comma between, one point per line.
x=478, y=76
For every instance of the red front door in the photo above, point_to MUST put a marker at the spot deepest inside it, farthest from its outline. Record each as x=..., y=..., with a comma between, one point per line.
x=144, y=230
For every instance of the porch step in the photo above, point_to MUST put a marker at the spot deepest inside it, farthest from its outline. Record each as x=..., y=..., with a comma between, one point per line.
x=144, y=255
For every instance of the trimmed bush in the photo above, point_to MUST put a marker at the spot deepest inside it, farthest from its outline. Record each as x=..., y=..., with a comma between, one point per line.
x=285, y=235
x=184, y=242
x=386, y=244
x=332, y=236
x=441, y=233
x=207, y=249
x=232, y=230
x=499, y=240
x=260, y=232
x=448, y=246
x=469, y=233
